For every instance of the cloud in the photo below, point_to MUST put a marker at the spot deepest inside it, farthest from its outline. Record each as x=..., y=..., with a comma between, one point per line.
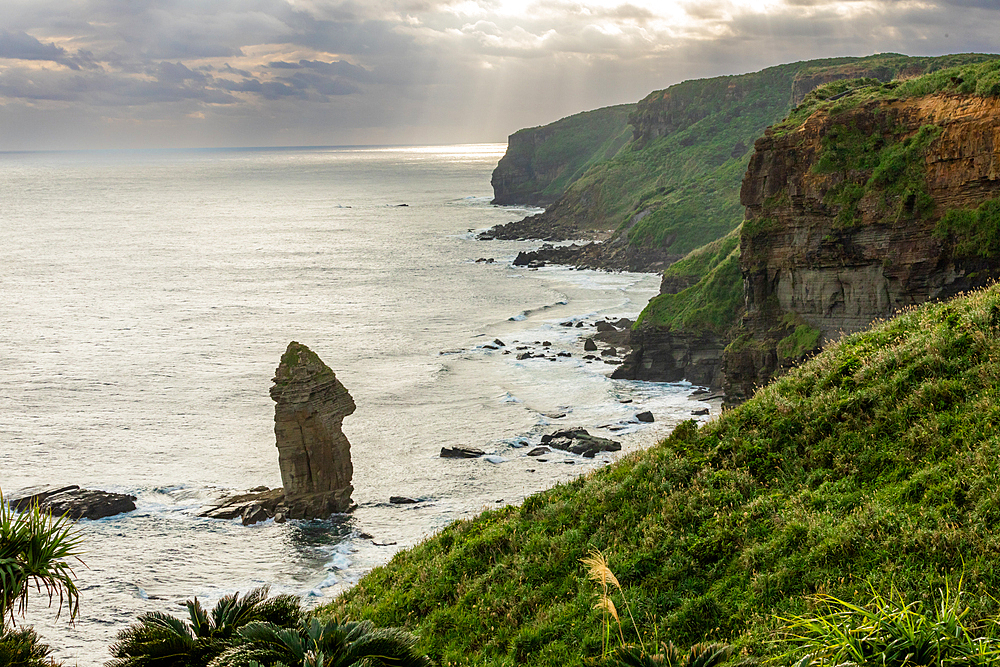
x=22, y=46
x=355, y=71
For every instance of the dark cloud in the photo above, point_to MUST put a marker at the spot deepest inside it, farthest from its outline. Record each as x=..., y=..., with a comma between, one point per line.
x=22, y=46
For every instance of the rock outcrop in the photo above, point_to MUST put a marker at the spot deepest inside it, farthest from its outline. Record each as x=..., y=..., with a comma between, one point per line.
x=844, y=222
x=313, y=453
x=75, y=503
x=660, y=354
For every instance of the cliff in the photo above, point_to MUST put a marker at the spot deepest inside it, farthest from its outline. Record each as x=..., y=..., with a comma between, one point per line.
x=869, y=199
x=681, y=334
x=541, y=161
x=675, y=186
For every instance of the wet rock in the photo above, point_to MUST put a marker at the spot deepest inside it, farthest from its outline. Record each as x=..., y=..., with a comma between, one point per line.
x=461, y=452
x=524, y=355
x=589, y=345
x=605, y=326
x=402, y=500
x=609, y=352
x=76, y=503
x=702, y=411
x=579, y=441
x=538, y=451
x=498, y=342
x=645, y=416
x=563, y=354
x=247, y=506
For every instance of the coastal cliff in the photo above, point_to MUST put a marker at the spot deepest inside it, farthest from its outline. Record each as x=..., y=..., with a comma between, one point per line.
x=676, y=185
x=541, y=161
x=869, y=199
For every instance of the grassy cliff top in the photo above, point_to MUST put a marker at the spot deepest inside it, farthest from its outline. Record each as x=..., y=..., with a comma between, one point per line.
x=877, y=462
x=968, y=74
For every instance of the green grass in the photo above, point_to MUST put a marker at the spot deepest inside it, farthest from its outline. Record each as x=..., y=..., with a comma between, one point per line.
x=961, y=74
x=973, y=232
x=566, y=149
x=878, y=461
x=885, y=166
x=712, y=303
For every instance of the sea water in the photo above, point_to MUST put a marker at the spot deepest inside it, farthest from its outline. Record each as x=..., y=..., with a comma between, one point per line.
x=148, y=296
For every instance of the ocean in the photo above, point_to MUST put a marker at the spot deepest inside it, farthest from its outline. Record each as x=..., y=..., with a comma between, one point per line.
x=148, y=296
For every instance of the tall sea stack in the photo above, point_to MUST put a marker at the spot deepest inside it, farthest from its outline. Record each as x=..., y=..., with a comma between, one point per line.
x=313, y=453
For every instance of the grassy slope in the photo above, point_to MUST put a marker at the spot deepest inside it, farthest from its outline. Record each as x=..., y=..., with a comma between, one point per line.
x=713, y=302
x=690, y=178
x=876, y=460
x=572, y=145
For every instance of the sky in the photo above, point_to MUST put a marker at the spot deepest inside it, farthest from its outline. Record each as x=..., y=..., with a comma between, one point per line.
x=210, y=73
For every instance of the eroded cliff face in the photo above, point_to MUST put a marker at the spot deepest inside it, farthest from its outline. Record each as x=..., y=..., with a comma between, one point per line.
x=842, y=223
x=313, y=453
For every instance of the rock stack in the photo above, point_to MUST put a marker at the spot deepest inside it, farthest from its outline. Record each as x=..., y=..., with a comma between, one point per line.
x=314, y=455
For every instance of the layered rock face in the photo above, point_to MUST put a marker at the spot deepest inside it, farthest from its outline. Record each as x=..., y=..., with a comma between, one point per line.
x=313, y=453
x=662, y=355
x=842, y=223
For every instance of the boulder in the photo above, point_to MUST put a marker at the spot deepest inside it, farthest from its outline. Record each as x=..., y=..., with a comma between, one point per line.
x=76, y=503
x=402, y=500
x=645, y=416
x=589, y=345
x=538, y=451
x=314, y=455
x=579, y=441
x=700, y=411
x=461, y=452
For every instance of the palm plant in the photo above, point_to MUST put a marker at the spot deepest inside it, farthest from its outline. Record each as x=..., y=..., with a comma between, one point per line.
x=159, y=639
x=34, y=549
x=323, y=644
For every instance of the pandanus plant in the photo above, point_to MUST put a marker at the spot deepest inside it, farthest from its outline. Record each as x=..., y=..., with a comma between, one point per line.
x=35, y=550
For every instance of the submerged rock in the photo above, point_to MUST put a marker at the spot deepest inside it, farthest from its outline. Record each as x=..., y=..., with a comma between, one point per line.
x=461, y=452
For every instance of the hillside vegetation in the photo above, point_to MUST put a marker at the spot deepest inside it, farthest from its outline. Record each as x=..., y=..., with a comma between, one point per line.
x=714, y=298
x=875, y=463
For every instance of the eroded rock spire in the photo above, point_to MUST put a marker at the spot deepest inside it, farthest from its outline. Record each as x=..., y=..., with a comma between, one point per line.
x=314, y=455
